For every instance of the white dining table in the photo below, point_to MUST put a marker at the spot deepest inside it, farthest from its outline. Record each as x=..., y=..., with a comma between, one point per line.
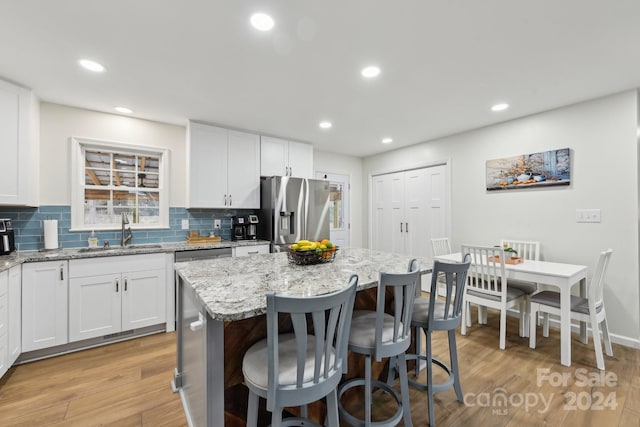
x=561, y=275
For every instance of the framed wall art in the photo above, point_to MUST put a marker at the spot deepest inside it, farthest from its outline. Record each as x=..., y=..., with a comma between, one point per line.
x=537, y=170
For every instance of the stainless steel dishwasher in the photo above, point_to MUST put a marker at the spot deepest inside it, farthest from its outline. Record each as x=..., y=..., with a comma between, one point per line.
x=191, y=373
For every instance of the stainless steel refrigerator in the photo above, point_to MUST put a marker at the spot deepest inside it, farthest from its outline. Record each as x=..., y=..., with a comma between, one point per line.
x=293, y=209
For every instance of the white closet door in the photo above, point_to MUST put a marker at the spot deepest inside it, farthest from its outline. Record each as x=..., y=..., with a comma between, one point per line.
x=436, y=216
x=381, y=213
x=396, y=204
x=415, y=203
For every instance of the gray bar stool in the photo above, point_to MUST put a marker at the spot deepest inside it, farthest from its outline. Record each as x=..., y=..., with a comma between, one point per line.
x=298, y=368
x=440, y=313
x=376, y=334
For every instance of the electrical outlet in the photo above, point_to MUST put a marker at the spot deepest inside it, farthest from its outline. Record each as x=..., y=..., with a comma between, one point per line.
x=185, y=224
x=587, y=215
x=217, y=223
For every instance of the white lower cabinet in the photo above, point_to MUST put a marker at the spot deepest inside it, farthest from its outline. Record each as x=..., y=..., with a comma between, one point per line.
x=115, y=294
x=250, y=250
x=15, y=313
x=4, y=322
x=44, y=305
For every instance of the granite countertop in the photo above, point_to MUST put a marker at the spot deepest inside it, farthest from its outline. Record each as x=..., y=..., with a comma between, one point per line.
x=234, y=288
x=17, y=258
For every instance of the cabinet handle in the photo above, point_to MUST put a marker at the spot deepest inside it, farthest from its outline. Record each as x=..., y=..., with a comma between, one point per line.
x=225, y=200
x=406, y=227
x=61, y=273
x=254, y=252
x=125, y=284
x=117, y=285
x=230, y=200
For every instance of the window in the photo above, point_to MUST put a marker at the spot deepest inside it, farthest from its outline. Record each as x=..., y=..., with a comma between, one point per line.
x=111, y=179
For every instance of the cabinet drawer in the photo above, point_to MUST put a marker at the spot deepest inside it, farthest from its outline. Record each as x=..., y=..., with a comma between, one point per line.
x=115, y=264
x=251, y=250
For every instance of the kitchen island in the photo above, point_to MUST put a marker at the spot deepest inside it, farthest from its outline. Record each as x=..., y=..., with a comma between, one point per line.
x=220, y=314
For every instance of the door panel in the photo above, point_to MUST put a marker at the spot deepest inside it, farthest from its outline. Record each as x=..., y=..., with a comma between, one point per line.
x=95, y=306
x=143, y=299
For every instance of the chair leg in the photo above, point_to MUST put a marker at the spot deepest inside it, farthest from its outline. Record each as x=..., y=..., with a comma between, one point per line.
x=404, y=390
x=503, y=329
x=367, y=390
x=418, y=349
x=522, y=321
x=455, y=371
x=597, y=344
x=532, y=325
x=276, y=417
x=393, y=366
x=252, y=410
x=545, y=325
x=430, y=405
x=332, y=419
x=465, y=318
x=605, y=336
x=482, y=314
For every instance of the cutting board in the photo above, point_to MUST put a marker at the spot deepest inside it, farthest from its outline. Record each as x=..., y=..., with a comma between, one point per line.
x=513, y=260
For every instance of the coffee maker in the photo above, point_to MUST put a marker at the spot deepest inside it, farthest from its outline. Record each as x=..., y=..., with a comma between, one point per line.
x=7, y=237
x=252, y=227
x=245, y=227
x=239, y=228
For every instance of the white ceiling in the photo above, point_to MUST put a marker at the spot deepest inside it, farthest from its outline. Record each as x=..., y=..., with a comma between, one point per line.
x=444, y=63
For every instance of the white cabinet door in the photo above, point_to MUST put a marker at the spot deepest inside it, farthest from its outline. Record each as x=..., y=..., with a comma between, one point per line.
x=279, y=157
x=274, y=155
x=15, y=313
x=4, y=322
x=223, y=168
x=116, y=294
x=19, y=137
x=143, y=299
x=206, y=166
x=94, y=306
x=300, y=160
x=44, y=305
x=243, y=170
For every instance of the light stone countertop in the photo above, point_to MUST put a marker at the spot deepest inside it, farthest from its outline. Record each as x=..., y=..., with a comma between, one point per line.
x=17, y=258
x=235, y=288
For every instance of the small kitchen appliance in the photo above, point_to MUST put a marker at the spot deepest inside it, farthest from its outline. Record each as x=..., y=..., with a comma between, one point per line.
x=239, y=228
x=252, y=227
x=7, y=237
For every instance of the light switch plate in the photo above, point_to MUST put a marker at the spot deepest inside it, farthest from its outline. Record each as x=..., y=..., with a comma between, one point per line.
x=217, y=223
x=185, y=224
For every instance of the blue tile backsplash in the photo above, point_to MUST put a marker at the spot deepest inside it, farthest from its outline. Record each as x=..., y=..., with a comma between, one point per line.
x=29, y=231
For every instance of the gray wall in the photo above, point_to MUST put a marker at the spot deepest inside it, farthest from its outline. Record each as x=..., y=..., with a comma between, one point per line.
x=603, y=141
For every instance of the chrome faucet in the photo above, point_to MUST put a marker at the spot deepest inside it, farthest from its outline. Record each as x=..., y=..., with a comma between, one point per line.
x=124, y=240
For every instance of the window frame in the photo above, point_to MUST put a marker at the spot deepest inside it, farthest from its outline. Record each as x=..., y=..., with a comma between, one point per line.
x=78, y=147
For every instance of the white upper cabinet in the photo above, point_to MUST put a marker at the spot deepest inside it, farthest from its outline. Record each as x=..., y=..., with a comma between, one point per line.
x=279, y=157
x=222, y=168
x=19, y=138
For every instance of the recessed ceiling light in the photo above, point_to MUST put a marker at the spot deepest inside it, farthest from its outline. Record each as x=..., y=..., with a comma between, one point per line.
x=262, y=21
x=325, y=125
x=387, y=140
x=123, y=110
x=90, y=65
x=370, y=72
x=500, y=107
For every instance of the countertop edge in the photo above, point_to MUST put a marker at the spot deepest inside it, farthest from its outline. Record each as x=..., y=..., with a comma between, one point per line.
x=65, y=254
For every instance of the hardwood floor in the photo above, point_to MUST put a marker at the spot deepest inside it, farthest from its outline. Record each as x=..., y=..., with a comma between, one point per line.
x=127, y=384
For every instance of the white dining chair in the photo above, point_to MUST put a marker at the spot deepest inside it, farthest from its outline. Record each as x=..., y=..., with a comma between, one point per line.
x=527, y=250
x=589, y=309
x=487, y=286
x=440, y=246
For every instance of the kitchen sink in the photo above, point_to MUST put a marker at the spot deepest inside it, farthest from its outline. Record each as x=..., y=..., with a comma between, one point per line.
x=118, y=248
